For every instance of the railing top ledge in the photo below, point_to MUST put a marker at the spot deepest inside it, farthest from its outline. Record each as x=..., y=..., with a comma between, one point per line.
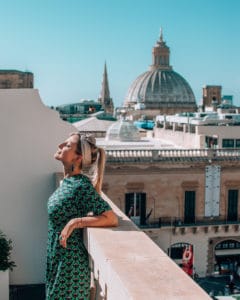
x=129, y=265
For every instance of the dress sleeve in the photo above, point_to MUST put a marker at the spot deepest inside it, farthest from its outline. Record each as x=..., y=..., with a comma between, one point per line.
x=90, y=201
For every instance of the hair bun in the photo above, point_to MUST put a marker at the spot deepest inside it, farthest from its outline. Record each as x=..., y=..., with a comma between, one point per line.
x=90, y=138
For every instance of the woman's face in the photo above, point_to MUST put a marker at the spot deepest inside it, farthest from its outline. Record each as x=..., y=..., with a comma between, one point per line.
x=67, y=151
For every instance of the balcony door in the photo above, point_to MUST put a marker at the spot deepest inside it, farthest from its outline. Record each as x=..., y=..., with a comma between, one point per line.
x=135, y=207
x=232, y=205
x=189, y=207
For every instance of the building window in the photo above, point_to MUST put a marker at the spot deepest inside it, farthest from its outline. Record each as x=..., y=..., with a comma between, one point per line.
x=228, y=244
x=232, y=205
x=228, y=143
x=135, y=207
x=227, y=257
x=189, y=207
x=211, y=142
x=237, y=143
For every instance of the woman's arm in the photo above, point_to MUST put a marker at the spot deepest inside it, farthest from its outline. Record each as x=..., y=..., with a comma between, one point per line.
x=106, y=219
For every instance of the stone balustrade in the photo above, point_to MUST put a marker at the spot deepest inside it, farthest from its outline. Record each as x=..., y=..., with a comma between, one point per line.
x=180, y=222
x=127, y=264
x=146, y=155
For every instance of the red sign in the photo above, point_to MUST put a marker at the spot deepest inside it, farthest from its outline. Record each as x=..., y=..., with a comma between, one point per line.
x=187, y=260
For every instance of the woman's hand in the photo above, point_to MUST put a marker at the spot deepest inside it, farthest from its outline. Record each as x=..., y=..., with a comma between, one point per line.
x=106, y=219
x=67, y=231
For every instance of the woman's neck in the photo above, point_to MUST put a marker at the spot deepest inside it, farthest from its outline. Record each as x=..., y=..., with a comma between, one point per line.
x=69, y=171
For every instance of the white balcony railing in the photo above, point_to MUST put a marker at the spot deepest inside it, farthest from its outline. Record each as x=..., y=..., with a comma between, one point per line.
x=180, y=155
x=127, y=264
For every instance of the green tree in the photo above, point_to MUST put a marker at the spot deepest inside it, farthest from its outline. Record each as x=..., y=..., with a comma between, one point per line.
x=5, y=252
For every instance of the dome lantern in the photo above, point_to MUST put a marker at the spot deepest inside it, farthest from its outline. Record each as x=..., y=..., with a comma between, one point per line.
x=160, y=55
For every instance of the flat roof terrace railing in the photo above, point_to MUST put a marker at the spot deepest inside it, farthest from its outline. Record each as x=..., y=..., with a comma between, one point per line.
x=174, y=155
x=180, y=222
x=127, y=264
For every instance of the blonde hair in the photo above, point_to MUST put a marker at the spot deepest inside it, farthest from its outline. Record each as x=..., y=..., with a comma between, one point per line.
x=93, y=161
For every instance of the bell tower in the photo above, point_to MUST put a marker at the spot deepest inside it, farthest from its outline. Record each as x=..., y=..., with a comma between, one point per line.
x=212, y=95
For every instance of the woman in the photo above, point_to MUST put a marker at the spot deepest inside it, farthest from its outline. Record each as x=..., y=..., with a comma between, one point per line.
x=69, y=209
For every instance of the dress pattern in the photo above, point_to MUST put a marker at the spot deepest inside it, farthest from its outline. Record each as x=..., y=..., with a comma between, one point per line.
x=68, y=272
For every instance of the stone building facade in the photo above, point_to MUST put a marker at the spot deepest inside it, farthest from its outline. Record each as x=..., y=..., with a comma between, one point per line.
x=14, y=79
x=181, y=200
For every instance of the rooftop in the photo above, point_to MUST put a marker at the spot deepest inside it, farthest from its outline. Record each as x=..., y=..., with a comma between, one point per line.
x=93, y=124
x=143, y=143
x=14, y=71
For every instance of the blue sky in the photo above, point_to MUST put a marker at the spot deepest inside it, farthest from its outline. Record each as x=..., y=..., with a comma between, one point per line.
x=66, y=42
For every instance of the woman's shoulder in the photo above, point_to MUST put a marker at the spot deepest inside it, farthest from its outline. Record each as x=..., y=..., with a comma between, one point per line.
x=81, y=180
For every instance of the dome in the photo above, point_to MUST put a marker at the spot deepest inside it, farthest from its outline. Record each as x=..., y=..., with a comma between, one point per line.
x=161, y=88
x=124, y=131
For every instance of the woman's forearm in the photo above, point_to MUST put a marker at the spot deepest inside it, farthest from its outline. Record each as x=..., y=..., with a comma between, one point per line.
x=106, y=219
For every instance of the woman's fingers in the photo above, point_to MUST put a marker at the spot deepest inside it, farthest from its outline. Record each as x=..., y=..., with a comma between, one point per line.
x=63, y=240
x=66, y=232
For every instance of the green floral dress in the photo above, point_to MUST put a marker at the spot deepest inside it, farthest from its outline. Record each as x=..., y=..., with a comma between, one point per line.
x=68, y=272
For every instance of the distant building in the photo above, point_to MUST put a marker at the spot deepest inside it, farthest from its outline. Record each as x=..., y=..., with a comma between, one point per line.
x=200, y=130
x=160, y=90
x=105, y=100
x=14, y=79
x=227, y=99
x=181, y=186
x=212, y=95
x=77, y=111
x=74, y=112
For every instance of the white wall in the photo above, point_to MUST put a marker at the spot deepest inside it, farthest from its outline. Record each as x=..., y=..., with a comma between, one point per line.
x=180, y=138
x=30, y=133
x=222, y=132
x=197, y=140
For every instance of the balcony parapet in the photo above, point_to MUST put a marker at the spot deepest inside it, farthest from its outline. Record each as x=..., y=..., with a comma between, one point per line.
x=172, y=155
x=127, y=264
x=179, y=225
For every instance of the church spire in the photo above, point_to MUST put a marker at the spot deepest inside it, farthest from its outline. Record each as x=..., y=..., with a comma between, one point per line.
x=105, y=99
x=105, y=93
x=161, y=35
x=160, y=55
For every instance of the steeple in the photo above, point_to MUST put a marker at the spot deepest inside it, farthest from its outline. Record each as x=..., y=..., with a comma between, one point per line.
x=161, y=35
x=105, y=86
x=160, y=55
x=105, y=98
